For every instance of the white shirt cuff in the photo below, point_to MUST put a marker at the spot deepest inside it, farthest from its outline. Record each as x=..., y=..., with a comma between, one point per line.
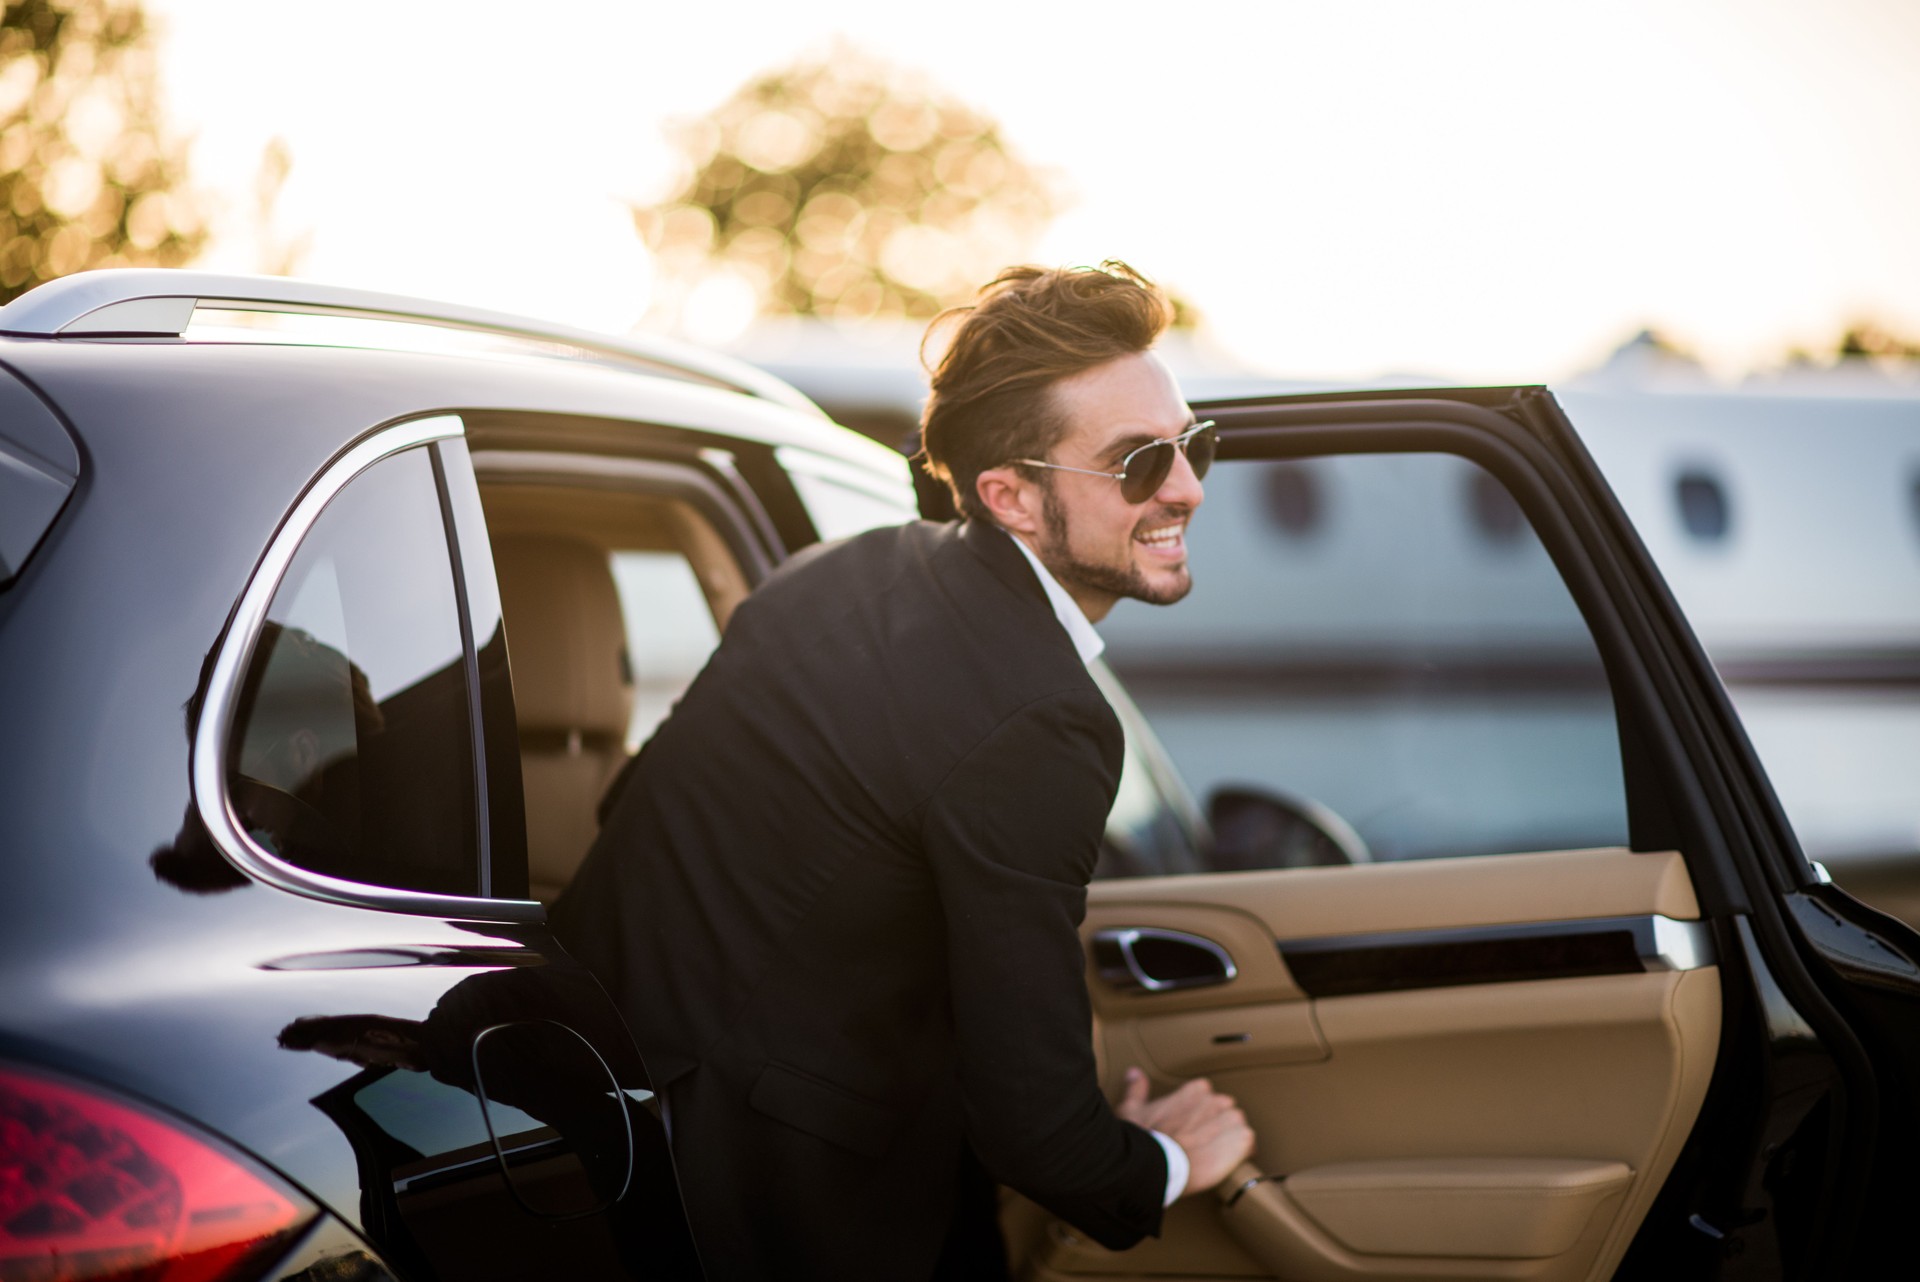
x=1177, y=1167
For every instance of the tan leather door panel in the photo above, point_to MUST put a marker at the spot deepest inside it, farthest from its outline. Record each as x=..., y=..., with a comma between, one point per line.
x=1546, y=1110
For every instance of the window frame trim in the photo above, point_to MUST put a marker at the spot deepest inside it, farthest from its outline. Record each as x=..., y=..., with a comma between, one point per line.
x=213, y=733
x=470, y=657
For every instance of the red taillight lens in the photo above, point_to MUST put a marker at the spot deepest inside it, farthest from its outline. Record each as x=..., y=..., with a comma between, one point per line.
x=96, y=1190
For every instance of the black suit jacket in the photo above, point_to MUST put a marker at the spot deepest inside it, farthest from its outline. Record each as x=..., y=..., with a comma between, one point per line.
x=839, y=896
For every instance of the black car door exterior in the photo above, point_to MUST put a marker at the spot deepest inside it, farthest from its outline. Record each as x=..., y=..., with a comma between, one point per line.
x=357, y=747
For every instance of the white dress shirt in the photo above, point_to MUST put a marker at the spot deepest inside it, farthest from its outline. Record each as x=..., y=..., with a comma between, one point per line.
x=1089, y=645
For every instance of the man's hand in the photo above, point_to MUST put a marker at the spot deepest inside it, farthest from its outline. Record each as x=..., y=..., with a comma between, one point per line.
x=1207, y=1124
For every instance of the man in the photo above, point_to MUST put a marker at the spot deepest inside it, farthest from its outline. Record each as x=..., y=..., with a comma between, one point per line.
x=839, y=895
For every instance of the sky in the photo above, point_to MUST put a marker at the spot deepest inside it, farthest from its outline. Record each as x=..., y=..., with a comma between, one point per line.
x=1475, y=191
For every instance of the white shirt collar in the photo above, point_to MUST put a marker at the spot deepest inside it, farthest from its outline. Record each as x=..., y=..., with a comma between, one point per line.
x=1086, y=642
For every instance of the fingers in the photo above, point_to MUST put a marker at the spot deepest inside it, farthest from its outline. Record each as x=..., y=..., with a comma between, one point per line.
x=1133, y=1099
x=1187, y=1108
x=1228, y=1121
x=1207, y=1125
x=1216, y=1147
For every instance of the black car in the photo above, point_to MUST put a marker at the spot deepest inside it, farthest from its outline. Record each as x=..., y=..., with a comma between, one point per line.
x=327, y=619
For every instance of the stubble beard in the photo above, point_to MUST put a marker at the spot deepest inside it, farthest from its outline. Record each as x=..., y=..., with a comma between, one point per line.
x=1118, y=581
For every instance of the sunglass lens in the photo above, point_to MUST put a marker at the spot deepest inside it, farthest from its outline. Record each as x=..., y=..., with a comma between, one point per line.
x=1200, y=452
x=1146, y=471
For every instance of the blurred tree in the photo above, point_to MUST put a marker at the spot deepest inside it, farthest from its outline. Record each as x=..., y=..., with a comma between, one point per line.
x=1185, y=314
x=1869, y=339
x=846, y=188
x=1861, y=341
x=275, y=253
x=88, y=177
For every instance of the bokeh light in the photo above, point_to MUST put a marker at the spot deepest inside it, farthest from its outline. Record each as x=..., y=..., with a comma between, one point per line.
x=88, y=176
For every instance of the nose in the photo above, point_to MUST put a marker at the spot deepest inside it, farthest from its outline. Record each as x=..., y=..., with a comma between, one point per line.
x=1181, y=488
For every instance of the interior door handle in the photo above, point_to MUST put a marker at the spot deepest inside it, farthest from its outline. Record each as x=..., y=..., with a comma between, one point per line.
x=1149, y=959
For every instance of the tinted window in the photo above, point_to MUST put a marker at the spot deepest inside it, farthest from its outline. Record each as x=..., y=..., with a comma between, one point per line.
x=670, y=632
x=844, y=501
x=1403, y=677
x=352, y=750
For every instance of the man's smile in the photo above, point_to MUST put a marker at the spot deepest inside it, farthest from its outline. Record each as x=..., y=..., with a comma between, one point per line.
x=1168, y=540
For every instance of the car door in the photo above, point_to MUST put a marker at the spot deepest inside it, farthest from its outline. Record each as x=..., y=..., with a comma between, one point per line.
x=356, y=748
x=1498, y=936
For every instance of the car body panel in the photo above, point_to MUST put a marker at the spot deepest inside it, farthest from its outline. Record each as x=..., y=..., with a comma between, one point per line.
x=182, y=981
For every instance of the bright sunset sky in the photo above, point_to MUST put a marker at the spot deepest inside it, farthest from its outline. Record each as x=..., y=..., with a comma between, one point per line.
x=1485, y=191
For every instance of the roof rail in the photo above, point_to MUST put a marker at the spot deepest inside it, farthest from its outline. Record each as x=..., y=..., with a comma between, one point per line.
x=153, y=302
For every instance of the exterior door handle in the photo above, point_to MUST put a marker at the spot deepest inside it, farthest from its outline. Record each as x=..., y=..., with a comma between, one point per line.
x=1149, y=959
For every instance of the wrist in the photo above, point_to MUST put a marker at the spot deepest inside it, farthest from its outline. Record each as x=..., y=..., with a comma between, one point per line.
x=1179, y=1167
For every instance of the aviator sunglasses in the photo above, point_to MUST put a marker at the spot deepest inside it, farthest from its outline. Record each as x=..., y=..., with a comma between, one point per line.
x=1144, y=470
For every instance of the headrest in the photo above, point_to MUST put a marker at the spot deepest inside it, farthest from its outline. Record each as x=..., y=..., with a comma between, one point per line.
x=565, y=637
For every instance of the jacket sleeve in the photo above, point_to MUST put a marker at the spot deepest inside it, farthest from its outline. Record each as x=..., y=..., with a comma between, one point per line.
x=1012, y=834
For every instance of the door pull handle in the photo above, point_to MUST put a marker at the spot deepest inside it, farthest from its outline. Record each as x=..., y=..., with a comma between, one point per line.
x=1152, y=960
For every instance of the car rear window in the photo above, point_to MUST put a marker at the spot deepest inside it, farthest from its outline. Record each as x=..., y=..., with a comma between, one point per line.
x=353, y=751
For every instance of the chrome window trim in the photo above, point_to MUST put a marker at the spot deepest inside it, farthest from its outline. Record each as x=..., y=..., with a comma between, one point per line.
x=1671, y=944
x=213, y=734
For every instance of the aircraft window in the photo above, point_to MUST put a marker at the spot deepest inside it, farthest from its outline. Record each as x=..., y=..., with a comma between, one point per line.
x=1705, y=510
x=1913, y=500
x=1495, y=515
x=1296, y=498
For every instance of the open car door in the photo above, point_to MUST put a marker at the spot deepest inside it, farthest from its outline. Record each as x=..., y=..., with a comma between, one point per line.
x=1500, y=939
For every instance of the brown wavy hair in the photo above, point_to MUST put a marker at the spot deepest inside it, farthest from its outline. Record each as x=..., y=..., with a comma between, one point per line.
x=1030, y=327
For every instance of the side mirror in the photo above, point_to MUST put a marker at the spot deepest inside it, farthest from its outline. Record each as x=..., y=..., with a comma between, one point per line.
x=1256, y=828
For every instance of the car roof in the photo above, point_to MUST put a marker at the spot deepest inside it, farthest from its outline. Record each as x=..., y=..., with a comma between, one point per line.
x=163, y=303
x=336, y=393
x=157, y=335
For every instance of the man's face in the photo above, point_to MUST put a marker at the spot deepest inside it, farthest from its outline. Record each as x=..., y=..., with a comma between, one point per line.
x=1099, y=546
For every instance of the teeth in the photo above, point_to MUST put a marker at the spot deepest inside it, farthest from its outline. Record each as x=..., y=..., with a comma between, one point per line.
x=1167, y=536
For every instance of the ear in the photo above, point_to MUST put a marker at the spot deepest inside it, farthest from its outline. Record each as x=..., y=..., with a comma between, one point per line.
x=1014, y=500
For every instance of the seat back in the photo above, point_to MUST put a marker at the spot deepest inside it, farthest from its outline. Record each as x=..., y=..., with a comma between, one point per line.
x=573, y=692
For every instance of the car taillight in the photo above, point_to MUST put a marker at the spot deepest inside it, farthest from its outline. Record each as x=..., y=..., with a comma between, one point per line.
x=93, y=1189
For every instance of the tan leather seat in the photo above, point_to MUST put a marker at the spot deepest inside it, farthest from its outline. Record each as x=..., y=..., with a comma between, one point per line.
x=572, y=692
